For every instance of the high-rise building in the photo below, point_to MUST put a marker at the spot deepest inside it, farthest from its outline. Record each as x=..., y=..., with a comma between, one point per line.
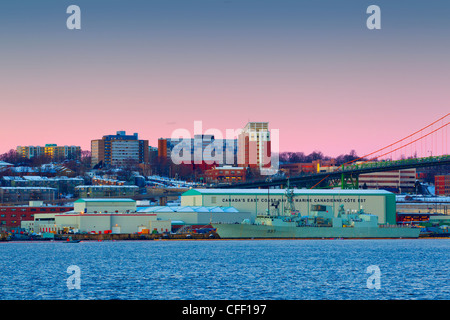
x=52, y=150
x=119, y=149
x=254, y=149
x=162, y=148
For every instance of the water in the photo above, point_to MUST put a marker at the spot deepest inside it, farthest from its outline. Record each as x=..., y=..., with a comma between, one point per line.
x=218, y=270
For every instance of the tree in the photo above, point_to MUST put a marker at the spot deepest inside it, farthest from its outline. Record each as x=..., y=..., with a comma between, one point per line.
x=13, y=157
x=344, y=158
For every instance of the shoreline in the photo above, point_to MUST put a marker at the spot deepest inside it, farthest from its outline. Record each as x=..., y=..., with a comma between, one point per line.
x=202, y=239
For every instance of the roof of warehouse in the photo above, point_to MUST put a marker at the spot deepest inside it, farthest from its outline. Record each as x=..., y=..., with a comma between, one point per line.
x=105, y=200
x=186, y=209
x=192, y=192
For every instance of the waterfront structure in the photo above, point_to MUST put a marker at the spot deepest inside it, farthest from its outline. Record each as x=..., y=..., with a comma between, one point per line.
x=119, y=150
x=123, y=216
x=52, y=150
x=13, y=216
x=99, y=216
x=442, y=185
x=198, y=215
x=254, y=146
x=104, y=205
x=102, y=191
x=274, y=201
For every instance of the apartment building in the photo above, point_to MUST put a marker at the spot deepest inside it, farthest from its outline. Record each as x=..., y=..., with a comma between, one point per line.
x=119, y=149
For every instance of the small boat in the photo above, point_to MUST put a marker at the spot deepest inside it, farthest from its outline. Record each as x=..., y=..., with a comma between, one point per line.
x=70, y=240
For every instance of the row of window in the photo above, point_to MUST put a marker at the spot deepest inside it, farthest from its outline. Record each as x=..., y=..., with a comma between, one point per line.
x=4, y=222
x=14, y=215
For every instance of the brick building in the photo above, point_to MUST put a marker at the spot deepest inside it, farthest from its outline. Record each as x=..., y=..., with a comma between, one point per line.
x=225, y=174
x=12, y=216
x=295, y=169
x=442, y=185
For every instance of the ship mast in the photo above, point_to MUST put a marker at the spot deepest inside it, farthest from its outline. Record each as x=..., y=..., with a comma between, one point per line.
x=290, y=199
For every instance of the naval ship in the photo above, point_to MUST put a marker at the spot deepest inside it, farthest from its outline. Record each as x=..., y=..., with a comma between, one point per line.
x=321, y=223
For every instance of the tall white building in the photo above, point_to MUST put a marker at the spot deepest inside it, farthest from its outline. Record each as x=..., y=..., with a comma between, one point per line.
x=254, y=149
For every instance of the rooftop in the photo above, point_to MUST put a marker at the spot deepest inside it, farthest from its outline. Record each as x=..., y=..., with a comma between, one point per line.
x=186, y=209
x=104, y=200
x=192, y=192
x=105, y=186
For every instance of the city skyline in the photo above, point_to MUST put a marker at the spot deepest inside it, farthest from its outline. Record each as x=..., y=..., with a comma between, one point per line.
x=312, y=70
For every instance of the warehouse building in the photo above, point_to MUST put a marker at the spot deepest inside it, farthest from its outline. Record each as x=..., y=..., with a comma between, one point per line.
x=195, y=215
x=13, y=216
x=122, y=216
x=261, y=201
x=100, y=216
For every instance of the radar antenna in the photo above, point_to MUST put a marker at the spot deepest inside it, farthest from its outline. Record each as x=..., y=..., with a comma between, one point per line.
x=290, y=199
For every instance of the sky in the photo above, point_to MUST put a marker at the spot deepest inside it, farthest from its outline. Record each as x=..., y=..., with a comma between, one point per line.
x=312, y=69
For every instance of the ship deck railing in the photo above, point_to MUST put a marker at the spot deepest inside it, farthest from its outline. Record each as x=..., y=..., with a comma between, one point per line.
x=395, y=226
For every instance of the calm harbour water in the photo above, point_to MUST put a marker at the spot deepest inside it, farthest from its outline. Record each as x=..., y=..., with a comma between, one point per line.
x=217, y=270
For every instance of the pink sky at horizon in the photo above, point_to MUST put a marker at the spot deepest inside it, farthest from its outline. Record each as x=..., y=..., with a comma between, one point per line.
x=333, y=114
x=325, y=89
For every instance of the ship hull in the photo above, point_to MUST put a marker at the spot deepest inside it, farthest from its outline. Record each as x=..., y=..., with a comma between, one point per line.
x=248, y=231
